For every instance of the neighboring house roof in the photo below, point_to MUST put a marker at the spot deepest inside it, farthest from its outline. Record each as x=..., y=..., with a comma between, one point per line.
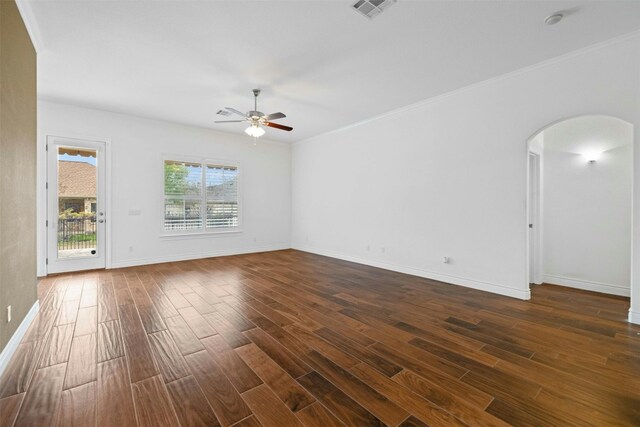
x=76, y=179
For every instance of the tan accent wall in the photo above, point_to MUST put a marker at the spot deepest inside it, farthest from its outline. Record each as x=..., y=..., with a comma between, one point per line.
x=17, y=170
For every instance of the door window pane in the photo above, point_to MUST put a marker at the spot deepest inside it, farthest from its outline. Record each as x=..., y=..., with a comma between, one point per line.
x=77, y=198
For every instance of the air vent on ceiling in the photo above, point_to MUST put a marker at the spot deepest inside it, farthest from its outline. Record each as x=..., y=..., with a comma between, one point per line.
x=372, y=8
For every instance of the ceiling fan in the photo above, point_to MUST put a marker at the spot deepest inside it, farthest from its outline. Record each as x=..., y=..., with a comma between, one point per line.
x=255, y=118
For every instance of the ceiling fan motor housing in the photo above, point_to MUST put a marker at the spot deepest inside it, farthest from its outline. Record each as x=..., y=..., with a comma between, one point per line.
x=255, y=114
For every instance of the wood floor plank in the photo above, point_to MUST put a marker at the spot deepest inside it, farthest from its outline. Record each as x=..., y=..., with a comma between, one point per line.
x=177, y=299
x=161, y=301
x=320, y=345
x=362, y=353
x=68, y=312
x=338, y=402
x=170, y=362
x=89, y=298
x=286, y=388
x=459, y=405
x=192, y=408
x=9, y=407
x=130, y=322
x=183, y=336
x=78, y=407
x=226, y=402
x=58, y=346
x=278, y=353
x=110, y=344
x=17, y=375
x=439, y=380
x=114, y=399
x=153, y=405
x=123, y=296
x=268, y=408
x=376, y=403
x=139, y=357
x=81, y=368
x=251, y=421
x=232, y=335
x=241, y=376
x=316, y=415
x=238, y=321
x=42, y=401
x=425, y=410
x=199, y=303
x=412, y=422
x=151, y=319
x=87, y=322
x=200, y=327
x=107, y=308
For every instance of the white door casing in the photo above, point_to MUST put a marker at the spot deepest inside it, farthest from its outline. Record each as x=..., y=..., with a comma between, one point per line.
x=65, y=260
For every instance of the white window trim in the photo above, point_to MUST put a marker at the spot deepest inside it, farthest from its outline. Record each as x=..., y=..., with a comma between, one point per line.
x=202, y=232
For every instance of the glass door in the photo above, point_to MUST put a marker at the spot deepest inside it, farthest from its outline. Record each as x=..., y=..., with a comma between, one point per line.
x=76, y=215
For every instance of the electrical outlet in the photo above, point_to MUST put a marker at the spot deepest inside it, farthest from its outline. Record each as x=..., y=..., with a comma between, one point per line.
x=446, y=259
x=8, y=314
x=130, y=248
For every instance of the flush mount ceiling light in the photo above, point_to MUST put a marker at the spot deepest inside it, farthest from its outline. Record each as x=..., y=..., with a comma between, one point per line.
x=553, y=19
x=255, y=118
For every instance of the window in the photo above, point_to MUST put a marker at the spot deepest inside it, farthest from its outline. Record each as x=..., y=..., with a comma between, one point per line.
x=200, y=196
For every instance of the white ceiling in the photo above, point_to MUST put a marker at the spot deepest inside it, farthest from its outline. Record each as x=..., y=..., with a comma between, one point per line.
x=319, y=62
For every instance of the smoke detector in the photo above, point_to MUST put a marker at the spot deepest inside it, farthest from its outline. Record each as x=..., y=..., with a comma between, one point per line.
x=372, y=8
x=553, y=19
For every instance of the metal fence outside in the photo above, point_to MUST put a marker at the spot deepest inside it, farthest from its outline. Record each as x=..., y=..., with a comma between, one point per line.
x=77, y=233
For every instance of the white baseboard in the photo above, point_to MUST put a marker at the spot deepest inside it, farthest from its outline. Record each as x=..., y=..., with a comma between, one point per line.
x=455, y=280
x=12, y=345
x=634, y=317
x=571, y=282
x=198, y=255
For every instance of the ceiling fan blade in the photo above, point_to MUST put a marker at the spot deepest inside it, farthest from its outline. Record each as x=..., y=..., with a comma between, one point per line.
x=278, y=126
x=229, y=121
x=233, y=110
x=274, y=116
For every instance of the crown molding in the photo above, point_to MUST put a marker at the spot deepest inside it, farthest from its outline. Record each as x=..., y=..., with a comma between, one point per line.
x=480, y=84
x=30, y=22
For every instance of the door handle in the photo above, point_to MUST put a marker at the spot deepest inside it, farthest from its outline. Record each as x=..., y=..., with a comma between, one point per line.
x=101, y=221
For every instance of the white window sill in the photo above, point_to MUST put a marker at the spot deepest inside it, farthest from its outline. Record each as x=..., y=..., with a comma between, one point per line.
x=200, y=234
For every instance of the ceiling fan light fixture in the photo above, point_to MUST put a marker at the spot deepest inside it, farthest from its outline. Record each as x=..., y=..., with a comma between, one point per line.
x=255, y=131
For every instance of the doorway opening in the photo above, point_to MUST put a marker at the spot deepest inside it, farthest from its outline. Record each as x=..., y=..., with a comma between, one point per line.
x=76, y=219
x=579, y=204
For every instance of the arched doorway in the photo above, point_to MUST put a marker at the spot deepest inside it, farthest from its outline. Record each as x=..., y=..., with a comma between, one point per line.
x=579, y=204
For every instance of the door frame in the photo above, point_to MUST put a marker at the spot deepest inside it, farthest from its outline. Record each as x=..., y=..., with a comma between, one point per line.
x=534, y=216
x=46, y=137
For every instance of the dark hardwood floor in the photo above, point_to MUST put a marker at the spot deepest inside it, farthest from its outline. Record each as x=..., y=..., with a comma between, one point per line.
x=288, y=338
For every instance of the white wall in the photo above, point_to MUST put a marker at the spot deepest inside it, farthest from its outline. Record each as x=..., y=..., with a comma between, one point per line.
x=447, y=177
x=587, y=206
x=137, y=146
